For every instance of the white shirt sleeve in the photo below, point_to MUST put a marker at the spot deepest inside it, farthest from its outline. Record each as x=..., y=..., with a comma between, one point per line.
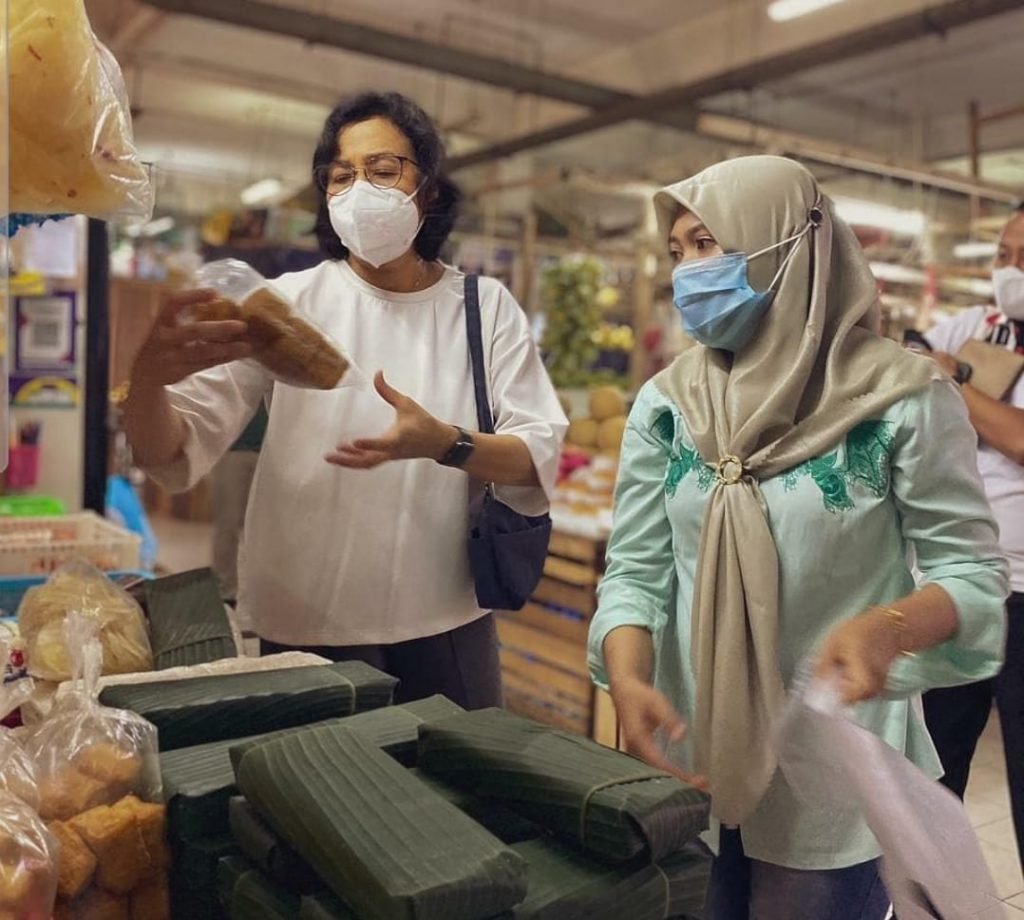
x=215, y=405
x=524, y=399
x=952, y=334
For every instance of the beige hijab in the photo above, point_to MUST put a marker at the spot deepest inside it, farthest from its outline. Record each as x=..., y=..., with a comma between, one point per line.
x=815, y=368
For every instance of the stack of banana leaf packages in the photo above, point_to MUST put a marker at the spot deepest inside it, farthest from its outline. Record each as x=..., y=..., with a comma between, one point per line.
x=207, y=833
x=500, y=818
x=199, y=719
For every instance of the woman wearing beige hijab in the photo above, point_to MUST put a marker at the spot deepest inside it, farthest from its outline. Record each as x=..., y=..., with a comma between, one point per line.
x=774, y=482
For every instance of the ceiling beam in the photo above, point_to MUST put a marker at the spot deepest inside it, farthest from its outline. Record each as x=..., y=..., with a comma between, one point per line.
x=331, y=32
x=936, y=19
x=747, y=133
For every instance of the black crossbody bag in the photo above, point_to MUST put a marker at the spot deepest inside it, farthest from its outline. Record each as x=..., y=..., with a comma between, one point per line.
x=506, y=549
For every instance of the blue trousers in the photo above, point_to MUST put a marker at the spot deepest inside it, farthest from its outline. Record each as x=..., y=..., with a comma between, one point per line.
x=745, y=889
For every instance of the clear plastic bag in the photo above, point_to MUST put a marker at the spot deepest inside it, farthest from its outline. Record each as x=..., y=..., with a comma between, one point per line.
x=100, y=794
x=932, y=863
x=28, y=863
x=80, y=587
x=17, y=770
x=87, y=755
x=71, y=145
x=293, y=349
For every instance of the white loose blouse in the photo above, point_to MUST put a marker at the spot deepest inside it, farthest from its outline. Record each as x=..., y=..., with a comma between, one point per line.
x=362, y=557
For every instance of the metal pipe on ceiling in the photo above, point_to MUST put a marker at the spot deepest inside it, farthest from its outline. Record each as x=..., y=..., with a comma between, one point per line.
x=936, y=19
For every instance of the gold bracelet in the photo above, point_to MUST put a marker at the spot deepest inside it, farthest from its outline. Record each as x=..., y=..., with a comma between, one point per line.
x=899, y=619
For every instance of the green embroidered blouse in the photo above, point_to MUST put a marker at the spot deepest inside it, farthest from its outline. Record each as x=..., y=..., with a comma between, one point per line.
x=848, y=525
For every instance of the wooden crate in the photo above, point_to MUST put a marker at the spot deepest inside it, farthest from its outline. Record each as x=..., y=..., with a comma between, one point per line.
x=544, y=646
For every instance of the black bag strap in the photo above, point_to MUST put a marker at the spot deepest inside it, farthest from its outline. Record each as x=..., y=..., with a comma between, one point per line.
x=485, y=420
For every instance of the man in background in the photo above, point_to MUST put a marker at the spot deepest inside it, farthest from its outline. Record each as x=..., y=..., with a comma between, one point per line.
x=232, y=480
x=957, y=716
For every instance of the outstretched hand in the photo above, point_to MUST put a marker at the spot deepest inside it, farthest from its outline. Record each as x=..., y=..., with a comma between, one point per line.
x=415, y=434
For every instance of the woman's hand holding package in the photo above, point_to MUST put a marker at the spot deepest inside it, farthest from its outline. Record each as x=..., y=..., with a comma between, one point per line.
x=644, y=714
x=858, y=655
x=178, y=347
x=416, y=434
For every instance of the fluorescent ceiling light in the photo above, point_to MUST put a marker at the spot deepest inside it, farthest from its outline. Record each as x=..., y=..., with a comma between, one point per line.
x=262, y=192
x=784, y=10
x=882, y=216
x=158, y=226
x=975, y=250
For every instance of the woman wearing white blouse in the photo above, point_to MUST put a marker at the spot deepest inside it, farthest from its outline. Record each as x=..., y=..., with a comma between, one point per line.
x=357, y=524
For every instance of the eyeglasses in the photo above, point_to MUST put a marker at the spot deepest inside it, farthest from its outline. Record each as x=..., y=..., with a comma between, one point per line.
x=381, y=172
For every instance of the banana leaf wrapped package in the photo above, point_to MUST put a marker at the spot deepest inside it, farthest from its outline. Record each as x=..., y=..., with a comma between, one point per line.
x=607, y=802
x=187, y=621
x=325, y=906
x=205, y=709
x=376, y=835
x=507, y=825
x=257, y=898
x=567, y=885
x=229, y=870
x=268, y=852
x=199, y=781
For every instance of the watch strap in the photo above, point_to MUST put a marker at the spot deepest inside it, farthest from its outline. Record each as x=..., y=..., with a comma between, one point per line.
x=460, y=451
x=964, y=372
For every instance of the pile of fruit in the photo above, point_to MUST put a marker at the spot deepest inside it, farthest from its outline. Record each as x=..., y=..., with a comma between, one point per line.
x=602, y=430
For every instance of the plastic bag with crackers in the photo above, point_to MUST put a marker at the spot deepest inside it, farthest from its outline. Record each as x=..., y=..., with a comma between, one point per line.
x=71, y=146
x=100, y=792
x=80, y=587
x=287, y=344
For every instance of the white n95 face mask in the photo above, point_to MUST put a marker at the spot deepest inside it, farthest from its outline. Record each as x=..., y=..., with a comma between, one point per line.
x=375, y=225
x=1009, y=287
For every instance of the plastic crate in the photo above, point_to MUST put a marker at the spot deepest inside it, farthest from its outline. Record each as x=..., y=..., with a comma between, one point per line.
x=39, y=545
x=30, y=506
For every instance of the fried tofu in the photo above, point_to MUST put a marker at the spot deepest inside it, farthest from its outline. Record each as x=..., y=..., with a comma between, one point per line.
x=77, y=863
x=62, y=910
x=69, y=793
x=151, y=821
x=152, y=900
x=16, y=884
x=116, y=841
x=111, y=765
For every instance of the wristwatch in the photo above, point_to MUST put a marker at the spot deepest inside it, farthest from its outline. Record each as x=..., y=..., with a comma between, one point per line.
x=460, y=451
x=964, y=372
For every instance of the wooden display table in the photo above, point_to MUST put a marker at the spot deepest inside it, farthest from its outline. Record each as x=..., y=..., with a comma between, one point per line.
x=544, y=646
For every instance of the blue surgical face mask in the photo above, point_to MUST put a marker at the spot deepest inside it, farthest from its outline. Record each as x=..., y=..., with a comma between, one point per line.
x=714, y=297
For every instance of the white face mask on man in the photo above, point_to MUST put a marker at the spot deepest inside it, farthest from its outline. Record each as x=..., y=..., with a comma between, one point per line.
x=375, y=225
x=1008, y=283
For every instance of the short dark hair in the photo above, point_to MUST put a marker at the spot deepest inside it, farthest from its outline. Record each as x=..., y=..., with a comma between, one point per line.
x=441, y=194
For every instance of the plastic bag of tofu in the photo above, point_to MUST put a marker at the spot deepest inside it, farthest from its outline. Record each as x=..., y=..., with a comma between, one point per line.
x=28, y=862
x=85, y=754
x=100, y=793
x=290, y=346
x=71, y=145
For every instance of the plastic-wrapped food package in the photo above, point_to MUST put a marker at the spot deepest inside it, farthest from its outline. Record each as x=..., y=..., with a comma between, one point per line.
x=932, y=863
x=100, y=792
x=80, y=587
x=17, y=769
x=71, y=146
x=28, y=863
x=292, y=348
x=88, y=755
